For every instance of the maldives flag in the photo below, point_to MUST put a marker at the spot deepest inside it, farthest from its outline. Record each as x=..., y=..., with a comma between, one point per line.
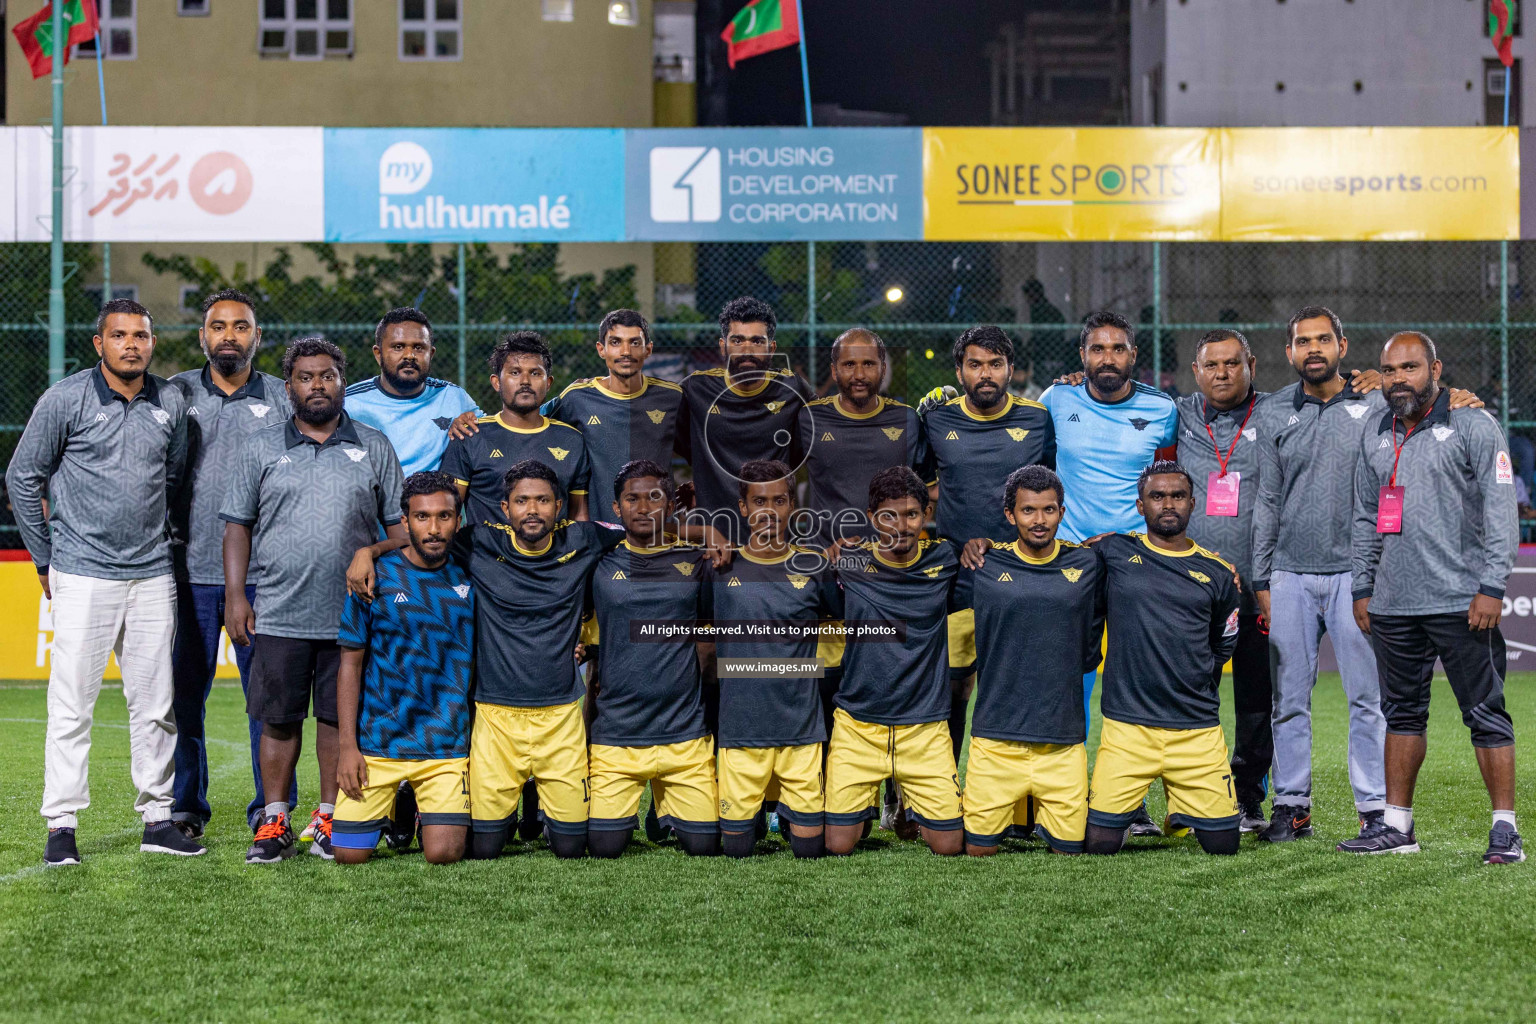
x=36, y=33
x=764, y=25
x=1500, y=14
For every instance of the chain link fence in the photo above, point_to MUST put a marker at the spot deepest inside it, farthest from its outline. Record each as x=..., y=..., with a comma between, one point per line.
x=917, y=295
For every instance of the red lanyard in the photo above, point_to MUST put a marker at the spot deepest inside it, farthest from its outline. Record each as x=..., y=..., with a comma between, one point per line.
x=1224, y=459
x=1398, y=448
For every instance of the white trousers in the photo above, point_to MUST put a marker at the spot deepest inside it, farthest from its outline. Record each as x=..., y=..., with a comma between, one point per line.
x=136, y=619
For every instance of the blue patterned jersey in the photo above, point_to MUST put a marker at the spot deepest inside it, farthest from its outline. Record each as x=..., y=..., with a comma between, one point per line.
x=416, y=426
x=419, y=633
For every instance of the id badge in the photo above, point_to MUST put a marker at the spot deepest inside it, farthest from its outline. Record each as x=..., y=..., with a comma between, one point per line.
x=1221, y=494
x=1389, y=510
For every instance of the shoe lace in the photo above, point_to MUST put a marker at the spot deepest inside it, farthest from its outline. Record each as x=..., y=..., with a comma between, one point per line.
x=1372, y=827
x=322, y=823
x=274, y=829
x=1502, y=839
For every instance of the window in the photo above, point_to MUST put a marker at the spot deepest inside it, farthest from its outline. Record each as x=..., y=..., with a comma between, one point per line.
x=429, y=29
x=192, y=8
x=305, y=29
x=623, y=12
x=119, y=32
x=559, y=10
x=1493, y=92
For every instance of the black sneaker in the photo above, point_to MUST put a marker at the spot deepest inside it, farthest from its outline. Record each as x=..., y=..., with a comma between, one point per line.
x=60, y=850
x=1251, y=818
x=1371, y=823
x=401, y=830
x=274, y=841
x=1504, y=845
x=166, y=837
x=320, y=846
x=1379, y=837
x=1143, y=826
x=190, y=827
x=1287, y=822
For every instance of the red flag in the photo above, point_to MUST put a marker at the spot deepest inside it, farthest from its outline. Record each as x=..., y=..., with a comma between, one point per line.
x=761, y=26
x=1500, y=14
x=36, y=33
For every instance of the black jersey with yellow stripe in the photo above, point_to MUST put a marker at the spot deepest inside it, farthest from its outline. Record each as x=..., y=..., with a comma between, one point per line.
x=722, y=426
x=971, y=456
x=481, y=460
x=619, y=428
x=1039, y=622
x=1172, y=626
x=843, y=452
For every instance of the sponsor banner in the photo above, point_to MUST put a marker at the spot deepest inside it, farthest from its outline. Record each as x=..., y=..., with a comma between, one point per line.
x=27, y=640
x=1071, y=184
x=173, y=184
x=474, y=184
x=1369, y=184
x=774, y=184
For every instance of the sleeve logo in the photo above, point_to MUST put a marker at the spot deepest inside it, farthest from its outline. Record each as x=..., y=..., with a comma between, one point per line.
x=1504, y=473
x=1231, y=628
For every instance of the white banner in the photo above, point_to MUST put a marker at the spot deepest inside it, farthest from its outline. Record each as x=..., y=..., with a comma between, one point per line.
x=174, y=184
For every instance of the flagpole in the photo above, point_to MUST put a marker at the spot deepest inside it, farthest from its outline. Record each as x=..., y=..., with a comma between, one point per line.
x=1504, y=296
x=56, y=241
x=106, y=247
x=810, y=247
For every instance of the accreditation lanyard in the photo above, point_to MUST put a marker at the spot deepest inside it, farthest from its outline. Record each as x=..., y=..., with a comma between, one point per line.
x=1389, y=501
x=1221, y=487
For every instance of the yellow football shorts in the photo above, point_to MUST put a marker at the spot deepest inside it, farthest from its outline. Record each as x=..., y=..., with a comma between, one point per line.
x=1002, y=775
x=830, y=649
x=1192, y=763
x=682, y=778
x=861, y=755
x=442, y=798
x=962, y=641
x=510, y=745
x=790, y=775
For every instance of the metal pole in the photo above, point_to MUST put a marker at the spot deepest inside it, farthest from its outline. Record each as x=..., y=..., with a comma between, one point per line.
x=1157, y=315
x=463, y=329
x=810, y=247
x=56, y=242
x=1504, y=398
x=106, y=247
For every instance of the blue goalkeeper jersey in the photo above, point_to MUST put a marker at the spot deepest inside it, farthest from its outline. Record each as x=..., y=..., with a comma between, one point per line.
x=416, y=426
x=1101, y=448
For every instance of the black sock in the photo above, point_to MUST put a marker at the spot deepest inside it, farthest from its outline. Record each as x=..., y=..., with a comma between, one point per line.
x=608, y=843
x=487, y=845
x=760, y=824
x=699, y=844
x=1104, y=840
x=808, y=847
x=957, y=708
x=566, y=847
x=1223, y=842
x=738, y=844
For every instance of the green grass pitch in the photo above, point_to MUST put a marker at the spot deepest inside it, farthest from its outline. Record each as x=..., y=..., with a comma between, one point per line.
x=1161, y=932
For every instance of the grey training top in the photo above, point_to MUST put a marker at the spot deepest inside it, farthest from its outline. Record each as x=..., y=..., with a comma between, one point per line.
x=1307, y=452
x=1460, y=528
x=107, y=466
x=311, y=507
x=1231, y=537
x=217, y=426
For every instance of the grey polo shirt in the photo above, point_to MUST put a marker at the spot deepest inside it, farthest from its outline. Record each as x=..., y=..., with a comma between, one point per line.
x=1307, y=453
x=1235, y=430
x=107, y=466
x=310, y=506
x=1460, y=527
x=217, y=426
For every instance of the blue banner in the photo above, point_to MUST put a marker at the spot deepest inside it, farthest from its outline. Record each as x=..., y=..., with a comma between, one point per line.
x=474, y=184
x=773, y=184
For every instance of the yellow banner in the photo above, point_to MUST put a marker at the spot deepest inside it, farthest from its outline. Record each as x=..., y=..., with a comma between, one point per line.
x=1071, y=184
x=27, y=640
x=1369, y=184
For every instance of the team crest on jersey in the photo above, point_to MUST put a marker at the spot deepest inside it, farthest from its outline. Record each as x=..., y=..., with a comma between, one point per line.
x=1199, y=577
x=1017, y=433
x=463, y=588
x=1355, y=409
x=161, y=416
x=656, y=415
x=593, y=421
x=258, y=410
x=1252, y=433
x=355, y=454
x=1137, y=560
x=559, y=453
x=565, y=558
x=496, y=453
x=1005, y=578
x=619, y=575
x=442, y=422
x=827, y=436
x=894, y=433
x=951, y=436
x=734, y=582
x=798, y=580
x=1441, y=433
x=774, y=406
x=932, y=572
x=1072, y=575
x=1139, y=423
x=686, y=568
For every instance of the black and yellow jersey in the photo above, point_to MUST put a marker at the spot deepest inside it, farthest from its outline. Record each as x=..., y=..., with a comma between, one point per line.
x=1038, y=626
x=528, y=611
x=970, y=457
x=719, y=428
x=1172, y=626
x=898, y=682
x=844, y=450
x=619, y=428
x=481, y=460
x=648, y=688
x=771, y=710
